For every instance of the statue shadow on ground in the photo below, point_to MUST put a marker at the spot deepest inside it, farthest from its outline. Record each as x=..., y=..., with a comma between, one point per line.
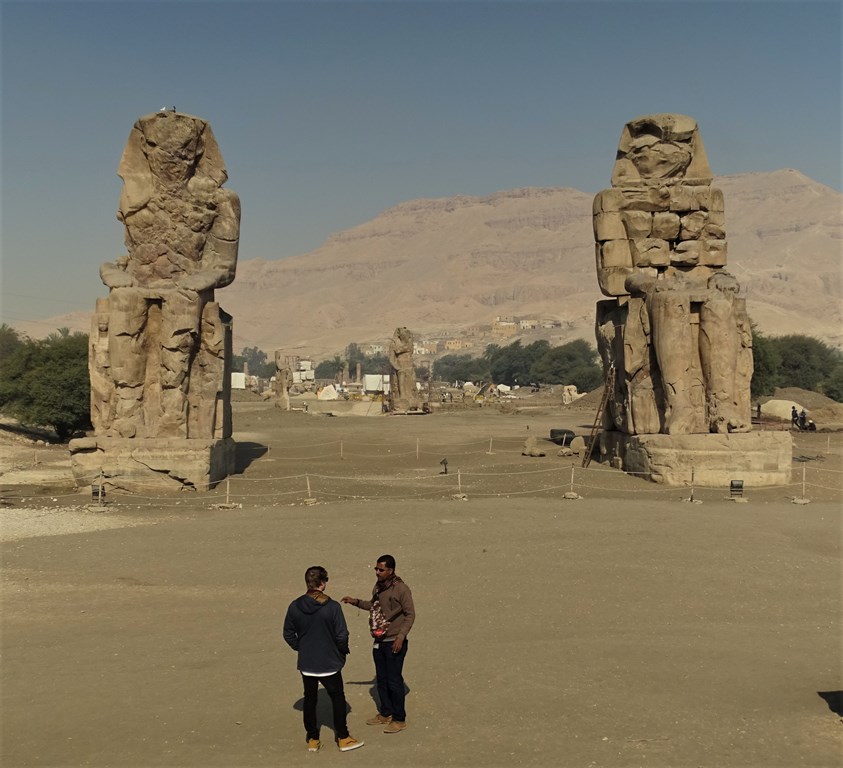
x=245, y=453
x=373, y=689
x=834, y=699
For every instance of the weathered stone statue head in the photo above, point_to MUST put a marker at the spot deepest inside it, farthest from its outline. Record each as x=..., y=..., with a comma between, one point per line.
x=658, y=149
x=167, y=149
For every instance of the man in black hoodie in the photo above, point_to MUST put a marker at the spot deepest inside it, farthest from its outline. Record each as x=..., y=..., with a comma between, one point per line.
x=315, y=627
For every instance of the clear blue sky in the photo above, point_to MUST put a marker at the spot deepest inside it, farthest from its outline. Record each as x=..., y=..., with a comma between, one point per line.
x=327, y=113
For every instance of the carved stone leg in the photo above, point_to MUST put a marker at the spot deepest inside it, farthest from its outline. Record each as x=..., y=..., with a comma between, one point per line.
x=180, y=316
x=126, y=326
x=673, y=339
x=719, y=347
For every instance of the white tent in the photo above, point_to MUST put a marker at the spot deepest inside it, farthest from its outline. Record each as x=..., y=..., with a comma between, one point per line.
x=328, y=393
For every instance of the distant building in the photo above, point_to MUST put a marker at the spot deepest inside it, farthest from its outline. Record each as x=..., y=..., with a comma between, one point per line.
x=453, y=345
x=504, y=328
x=528, y=324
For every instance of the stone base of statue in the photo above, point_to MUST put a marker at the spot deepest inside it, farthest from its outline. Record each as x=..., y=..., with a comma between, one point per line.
x=151, y=464
x=757, y=458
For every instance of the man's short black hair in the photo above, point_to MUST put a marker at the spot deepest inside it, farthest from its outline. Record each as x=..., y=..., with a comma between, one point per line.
x=388, y=561
x=315, y=576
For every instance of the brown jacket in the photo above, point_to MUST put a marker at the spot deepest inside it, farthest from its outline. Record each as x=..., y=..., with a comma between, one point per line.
x=397, y=606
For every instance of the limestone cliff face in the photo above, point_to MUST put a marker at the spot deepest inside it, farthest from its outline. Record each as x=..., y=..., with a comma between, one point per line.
x=439, y=265
x=435, y=265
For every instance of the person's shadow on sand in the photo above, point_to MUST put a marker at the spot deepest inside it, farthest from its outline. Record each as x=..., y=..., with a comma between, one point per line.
x=324, y=711
x=834, y=699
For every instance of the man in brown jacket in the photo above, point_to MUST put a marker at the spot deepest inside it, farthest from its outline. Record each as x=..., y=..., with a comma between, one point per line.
x=391, y=616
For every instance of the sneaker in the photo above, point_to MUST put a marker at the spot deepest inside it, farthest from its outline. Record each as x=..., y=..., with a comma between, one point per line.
x=395, y=726
x=379, y=719
x=349, y=743
x=314, y=745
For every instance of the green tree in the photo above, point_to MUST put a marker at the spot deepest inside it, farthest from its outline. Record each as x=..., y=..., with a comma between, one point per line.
x=461, y=368
x=328, y=369
x=10, y=340
x=257, y=361
x=766, y=364
x=833, y=385
x=513, y=364
x=354, y=355
x=45, y=383
x=805, y=361
x=375, y=364
x=572, y=363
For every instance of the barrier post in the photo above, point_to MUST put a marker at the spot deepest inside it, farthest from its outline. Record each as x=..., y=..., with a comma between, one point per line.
x=490, y=447
x=572, y=477
x=99, y=490
x=803, y=481
x=417, y=449
x=307, y=478
x=341, y=454
x=692, y=483
x=227, y=489
x=459, y=482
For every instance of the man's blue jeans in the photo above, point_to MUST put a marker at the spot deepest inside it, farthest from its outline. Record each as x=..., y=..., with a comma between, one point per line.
x=389, y=667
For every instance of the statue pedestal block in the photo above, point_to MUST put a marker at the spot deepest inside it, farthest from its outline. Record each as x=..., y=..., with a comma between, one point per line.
x=757, y=458
x=143, y=465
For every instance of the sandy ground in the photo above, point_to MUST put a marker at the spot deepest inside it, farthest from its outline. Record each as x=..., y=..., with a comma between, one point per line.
x=626, y=628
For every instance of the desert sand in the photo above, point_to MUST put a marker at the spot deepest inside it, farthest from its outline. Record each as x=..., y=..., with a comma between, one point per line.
x=629, y=627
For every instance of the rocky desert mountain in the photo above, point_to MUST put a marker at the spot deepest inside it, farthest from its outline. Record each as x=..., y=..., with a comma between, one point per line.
x=443, y=265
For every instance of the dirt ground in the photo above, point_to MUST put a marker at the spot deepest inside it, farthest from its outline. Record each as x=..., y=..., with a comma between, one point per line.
x=625, y=628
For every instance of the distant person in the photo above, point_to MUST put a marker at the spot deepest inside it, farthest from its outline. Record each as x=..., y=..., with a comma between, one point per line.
x=803, y=419
x=811, y=426
x=391, y=616
x=315, y=627
x=758, y=410
x=794, y=416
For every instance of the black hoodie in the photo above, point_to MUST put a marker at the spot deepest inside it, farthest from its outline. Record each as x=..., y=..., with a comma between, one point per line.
x=315, y=627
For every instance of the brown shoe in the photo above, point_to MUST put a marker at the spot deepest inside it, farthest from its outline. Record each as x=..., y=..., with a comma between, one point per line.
x=379, y=719
x=396, y=726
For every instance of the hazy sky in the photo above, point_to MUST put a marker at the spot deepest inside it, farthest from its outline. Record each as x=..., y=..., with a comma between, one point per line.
x=328, y=113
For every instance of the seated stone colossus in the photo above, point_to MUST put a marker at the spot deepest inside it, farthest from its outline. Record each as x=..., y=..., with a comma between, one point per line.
x=158, y=353
x=675, y=333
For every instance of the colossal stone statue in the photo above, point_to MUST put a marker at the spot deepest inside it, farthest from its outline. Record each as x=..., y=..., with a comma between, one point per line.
x=677, y=334
x=675, y=338
x=402, y=382
x=160, y=345
x=283, y=380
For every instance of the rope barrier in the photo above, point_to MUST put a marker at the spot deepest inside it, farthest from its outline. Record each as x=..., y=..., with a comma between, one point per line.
x=458, y=480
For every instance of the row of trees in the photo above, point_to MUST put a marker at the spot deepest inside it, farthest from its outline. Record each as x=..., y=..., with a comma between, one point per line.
x=536, y=363
x=45, y=383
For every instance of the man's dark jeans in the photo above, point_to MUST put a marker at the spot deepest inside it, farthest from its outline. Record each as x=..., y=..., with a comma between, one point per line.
x=388, y=669
x=333, y=685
